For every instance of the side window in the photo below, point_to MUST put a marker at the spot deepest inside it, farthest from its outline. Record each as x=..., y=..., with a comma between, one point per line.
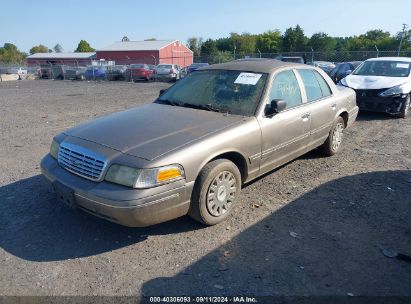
x=325, y=89
x=312, y=87
x=285, y=87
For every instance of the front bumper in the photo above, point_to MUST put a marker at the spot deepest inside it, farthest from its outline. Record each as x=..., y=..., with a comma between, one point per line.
x=116, y=203
x=369, y=100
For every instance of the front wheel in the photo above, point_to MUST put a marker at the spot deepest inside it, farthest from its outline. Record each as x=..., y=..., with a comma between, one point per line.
x=333, y=143
x=405, y=107
x=215, y=192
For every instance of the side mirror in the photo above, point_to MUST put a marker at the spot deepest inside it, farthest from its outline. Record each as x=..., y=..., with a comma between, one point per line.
x=275, y=106
x=162, y=92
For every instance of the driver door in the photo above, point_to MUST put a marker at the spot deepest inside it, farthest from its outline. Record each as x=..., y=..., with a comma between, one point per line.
x=285, y=136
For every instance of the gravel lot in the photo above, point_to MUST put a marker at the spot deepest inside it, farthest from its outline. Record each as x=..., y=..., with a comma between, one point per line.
x=312, y=227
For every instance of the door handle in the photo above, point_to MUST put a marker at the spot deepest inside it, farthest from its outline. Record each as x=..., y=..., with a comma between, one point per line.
x=305, y=116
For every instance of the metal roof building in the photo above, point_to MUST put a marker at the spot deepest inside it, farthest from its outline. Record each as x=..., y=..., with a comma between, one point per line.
x=71, y=59
x=150, y=52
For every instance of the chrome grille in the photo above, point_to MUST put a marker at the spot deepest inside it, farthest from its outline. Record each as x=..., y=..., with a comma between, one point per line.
x=81, y=161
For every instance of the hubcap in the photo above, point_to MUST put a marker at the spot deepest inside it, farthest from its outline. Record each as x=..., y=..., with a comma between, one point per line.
x=221, y=193
x=337, y=136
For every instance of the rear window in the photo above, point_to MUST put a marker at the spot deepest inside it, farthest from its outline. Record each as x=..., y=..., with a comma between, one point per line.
x=293, y=59
x=198, y=65
x=137, y=66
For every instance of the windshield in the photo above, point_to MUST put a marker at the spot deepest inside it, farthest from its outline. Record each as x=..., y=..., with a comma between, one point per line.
x=198, y=65
x=384, y=68
x=137, y=66
x=234, y=92
x=164, y=66
x=293, y=59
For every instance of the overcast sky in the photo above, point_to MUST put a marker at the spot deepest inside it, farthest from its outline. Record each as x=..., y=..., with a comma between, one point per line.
x=28, y=23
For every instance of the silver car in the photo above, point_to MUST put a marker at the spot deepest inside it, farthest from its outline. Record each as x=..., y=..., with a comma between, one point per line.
x=192, y=149
x=167, y=72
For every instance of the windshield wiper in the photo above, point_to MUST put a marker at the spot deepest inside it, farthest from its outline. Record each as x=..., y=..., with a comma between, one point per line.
x=207, y=107
x=167, y=101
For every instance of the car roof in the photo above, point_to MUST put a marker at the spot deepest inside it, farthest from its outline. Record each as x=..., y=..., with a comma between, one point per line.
x=406, y=59
x=253, y=65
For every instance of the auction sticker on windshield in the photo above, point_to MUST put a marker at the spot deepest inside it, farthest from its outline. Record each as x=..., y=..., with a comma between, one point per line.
x=403, y=65
x=248, y=78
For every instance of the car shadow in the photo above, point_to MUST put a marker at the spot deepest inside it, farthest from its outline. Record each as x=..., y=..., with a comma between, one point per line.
x=35, y=226
x=367, y=116
x=326, y=242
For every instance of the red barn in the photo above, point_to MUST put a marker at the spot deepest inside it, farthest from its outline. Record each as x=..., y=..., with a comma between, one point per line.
x=149, y=52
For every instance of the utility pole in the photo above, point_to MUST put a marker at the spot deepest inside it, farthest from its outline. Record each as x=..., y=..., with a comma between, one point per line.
x=378, y=51
x=404, y=26
x=312, y=55
x=235, y=48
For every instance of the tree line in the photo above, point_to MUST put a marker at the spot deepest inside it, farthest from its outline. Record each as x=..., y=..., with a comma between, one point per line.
x=272, y=41
x=294, y=40
x=9, y=53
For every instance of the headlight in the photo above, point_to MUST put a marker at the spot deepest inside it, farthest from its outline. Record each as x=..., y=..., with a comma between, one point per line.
x=122, y=175
x=144, y=178
x=393, y=91
x=54, y=148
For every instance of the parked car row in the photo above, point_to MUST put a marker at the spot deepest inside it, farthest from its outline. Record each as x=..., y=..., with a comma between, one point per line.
x=336, y=71
x=132, y=72
x=343, y=69
x=326, y=66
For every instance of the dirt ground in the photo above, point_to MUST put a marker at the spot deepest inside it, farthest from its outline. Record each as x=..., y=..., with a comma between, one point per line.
x=312, y=227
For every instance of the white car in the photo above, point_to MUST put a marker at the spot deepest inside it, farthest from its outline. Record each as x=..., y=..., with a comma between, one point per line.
x=382, y=85
x=19, y=71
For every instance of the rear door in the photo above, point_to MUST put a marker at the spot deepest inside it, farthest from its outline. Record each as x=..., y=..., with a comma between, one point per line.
x=285, y=136
x=320, y=103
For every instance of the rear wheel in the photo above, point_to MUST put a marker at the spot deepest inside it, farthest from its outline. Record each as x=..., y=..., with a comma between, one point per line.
x=405, y=107
x=333, y=143
x=215, y=192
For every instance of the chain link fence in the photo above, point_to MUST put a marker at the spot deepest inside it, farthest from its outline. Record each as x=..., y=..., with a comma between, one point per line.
x=334, y=57
x=123, y=69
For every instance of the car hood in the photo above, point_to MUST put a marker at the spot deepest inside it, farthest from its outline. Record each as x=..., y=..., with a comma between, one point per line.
x=373, y=82
x=152, y=130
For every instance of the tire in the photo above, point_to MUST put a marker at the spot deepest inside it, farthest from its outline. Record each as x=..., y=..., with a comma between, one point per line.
x=405, y=108
x=333, y=143
x=215, y=192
